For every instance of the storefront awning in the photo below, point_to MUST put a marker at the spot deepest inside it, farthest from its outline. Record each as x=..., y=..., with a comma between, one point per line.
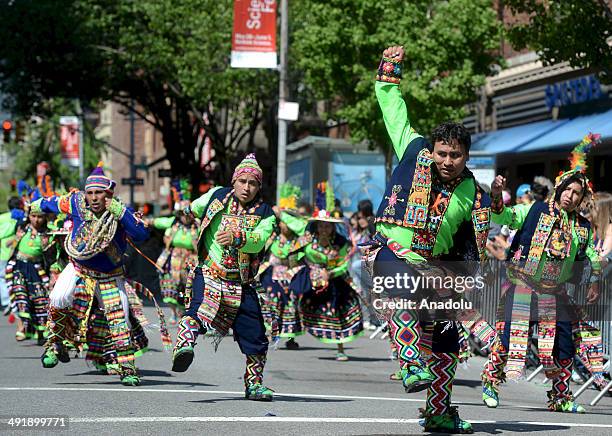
x=543, y=135
x=571, y=133
x=511, y=139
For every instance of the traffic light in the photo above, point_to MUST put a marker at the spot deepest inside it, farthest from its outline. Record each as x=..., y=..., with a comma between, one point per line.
x=7, y=126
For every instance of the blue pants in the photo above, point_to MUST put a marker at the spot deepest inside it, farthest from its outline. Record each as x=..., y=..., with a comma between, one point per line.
x=445, y=338
x=248, y=326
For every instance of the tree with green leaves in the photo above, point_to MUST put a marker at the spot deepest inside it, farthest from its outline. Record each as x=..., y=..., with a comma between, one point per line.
x=576, y=31
x=166, y=59
x=43, y=144
x=337, y=44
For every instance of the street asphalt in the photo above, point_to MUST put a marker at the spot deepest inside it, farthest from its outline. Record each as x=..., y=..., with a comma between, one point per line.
x=314, y=395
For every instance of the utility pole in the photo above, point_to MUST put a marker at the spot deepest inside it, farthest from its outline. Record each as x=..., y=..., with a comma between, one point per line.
x=132, y=152
x=283, y=94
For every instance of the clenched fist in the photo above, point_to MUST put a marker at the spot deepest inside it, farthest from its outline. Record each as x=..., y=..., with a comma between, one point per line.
x=498, y=185
x=224, y=238
x=394, y=52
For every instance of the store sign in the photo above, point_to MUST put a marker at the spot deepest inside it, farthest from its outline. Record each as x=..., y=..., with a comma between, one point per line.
x=573, y=91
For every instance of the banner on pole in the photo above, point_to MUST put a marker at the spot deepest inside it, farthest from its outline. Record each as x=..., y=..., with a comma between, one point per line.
x=69, y=140
x=254, y=34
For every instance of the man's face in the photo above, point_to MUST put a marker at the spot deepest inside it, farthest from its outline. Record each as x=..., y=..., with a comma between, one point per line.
x=450, y=159
x=571, y=197
x=246, y=188
x=96, y=199
x=524, y=199
x=38, y=220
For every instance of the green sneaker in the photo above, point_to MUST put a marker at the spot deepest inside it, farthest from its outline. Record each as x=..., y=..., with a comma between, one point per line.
x=100, y=367
x=258, y=392
x=182, y=358
x=113, y=369
x=564, y=404
x=397, y=375
x=53, y=354
x=490, y=396
x=416, y=378
x=130, y=380
x=447, y=423
x=49, y=359
x=341, y=357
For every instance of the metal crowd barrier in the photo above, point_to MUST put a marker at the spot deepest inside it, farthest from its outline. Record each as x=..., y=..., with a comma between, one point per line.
x=487, y=303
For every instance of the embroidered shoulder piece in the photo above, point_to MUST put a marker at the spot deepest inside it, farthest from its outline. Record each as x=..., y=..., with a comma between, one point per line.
x=538, y=243
x=481, y=219
x=418, y=199
x=78, y=206
x=212, y=210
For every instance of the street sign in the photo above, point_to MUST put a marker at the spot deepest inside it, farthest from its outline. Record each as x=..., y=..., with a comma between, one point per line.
x=165, y=172
x=288, y=110
x=132, y=181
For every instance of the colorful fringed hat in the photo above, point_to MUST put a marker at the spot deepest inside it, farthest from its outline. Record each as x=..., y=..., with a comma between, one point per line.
x=289, y=197
x=43, y=188
x=43, y=180
x=578, y=163
x=325, y=205
x=98, y=180
x=248, y=165
x=181, y=193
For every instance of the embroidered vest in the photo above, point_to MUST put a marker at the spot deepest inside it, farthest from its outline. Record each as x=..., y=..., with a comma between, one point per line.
x=247, y=263
x=406, y=203
x=531, y=240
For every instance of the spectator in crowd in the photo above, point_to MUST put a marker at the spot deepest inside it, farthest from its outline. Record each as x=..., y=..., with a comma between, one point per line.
x=524, y=195
x=363, y=231
x=541, y=188
x=601, y=218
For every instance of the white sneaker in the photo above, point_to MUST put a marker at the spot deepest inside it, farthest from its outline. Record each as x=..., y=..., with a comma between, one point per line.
x=369, y=326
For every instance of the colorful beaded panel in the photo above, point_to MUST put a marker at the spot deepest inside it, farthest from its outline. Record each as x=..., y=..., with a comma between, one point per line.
x=538, y=243
x=418, y=199
x=389, y=70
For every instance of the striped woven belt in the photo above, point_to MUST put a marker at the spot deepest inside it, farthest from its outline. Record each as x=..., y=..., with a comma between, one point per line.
x=27, y=257
x=218, y=271
x=543, y=286
x=82, y=270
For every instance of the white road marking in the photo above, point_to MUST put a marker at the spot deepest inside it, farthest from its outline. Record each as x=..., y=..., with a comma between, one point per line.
x=271, y=419
x=280, y=419
x=240, y=394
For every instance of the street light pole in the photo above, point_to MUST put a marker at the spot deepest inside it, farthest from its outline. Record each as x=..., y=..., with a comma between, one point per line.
x=283, y=93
